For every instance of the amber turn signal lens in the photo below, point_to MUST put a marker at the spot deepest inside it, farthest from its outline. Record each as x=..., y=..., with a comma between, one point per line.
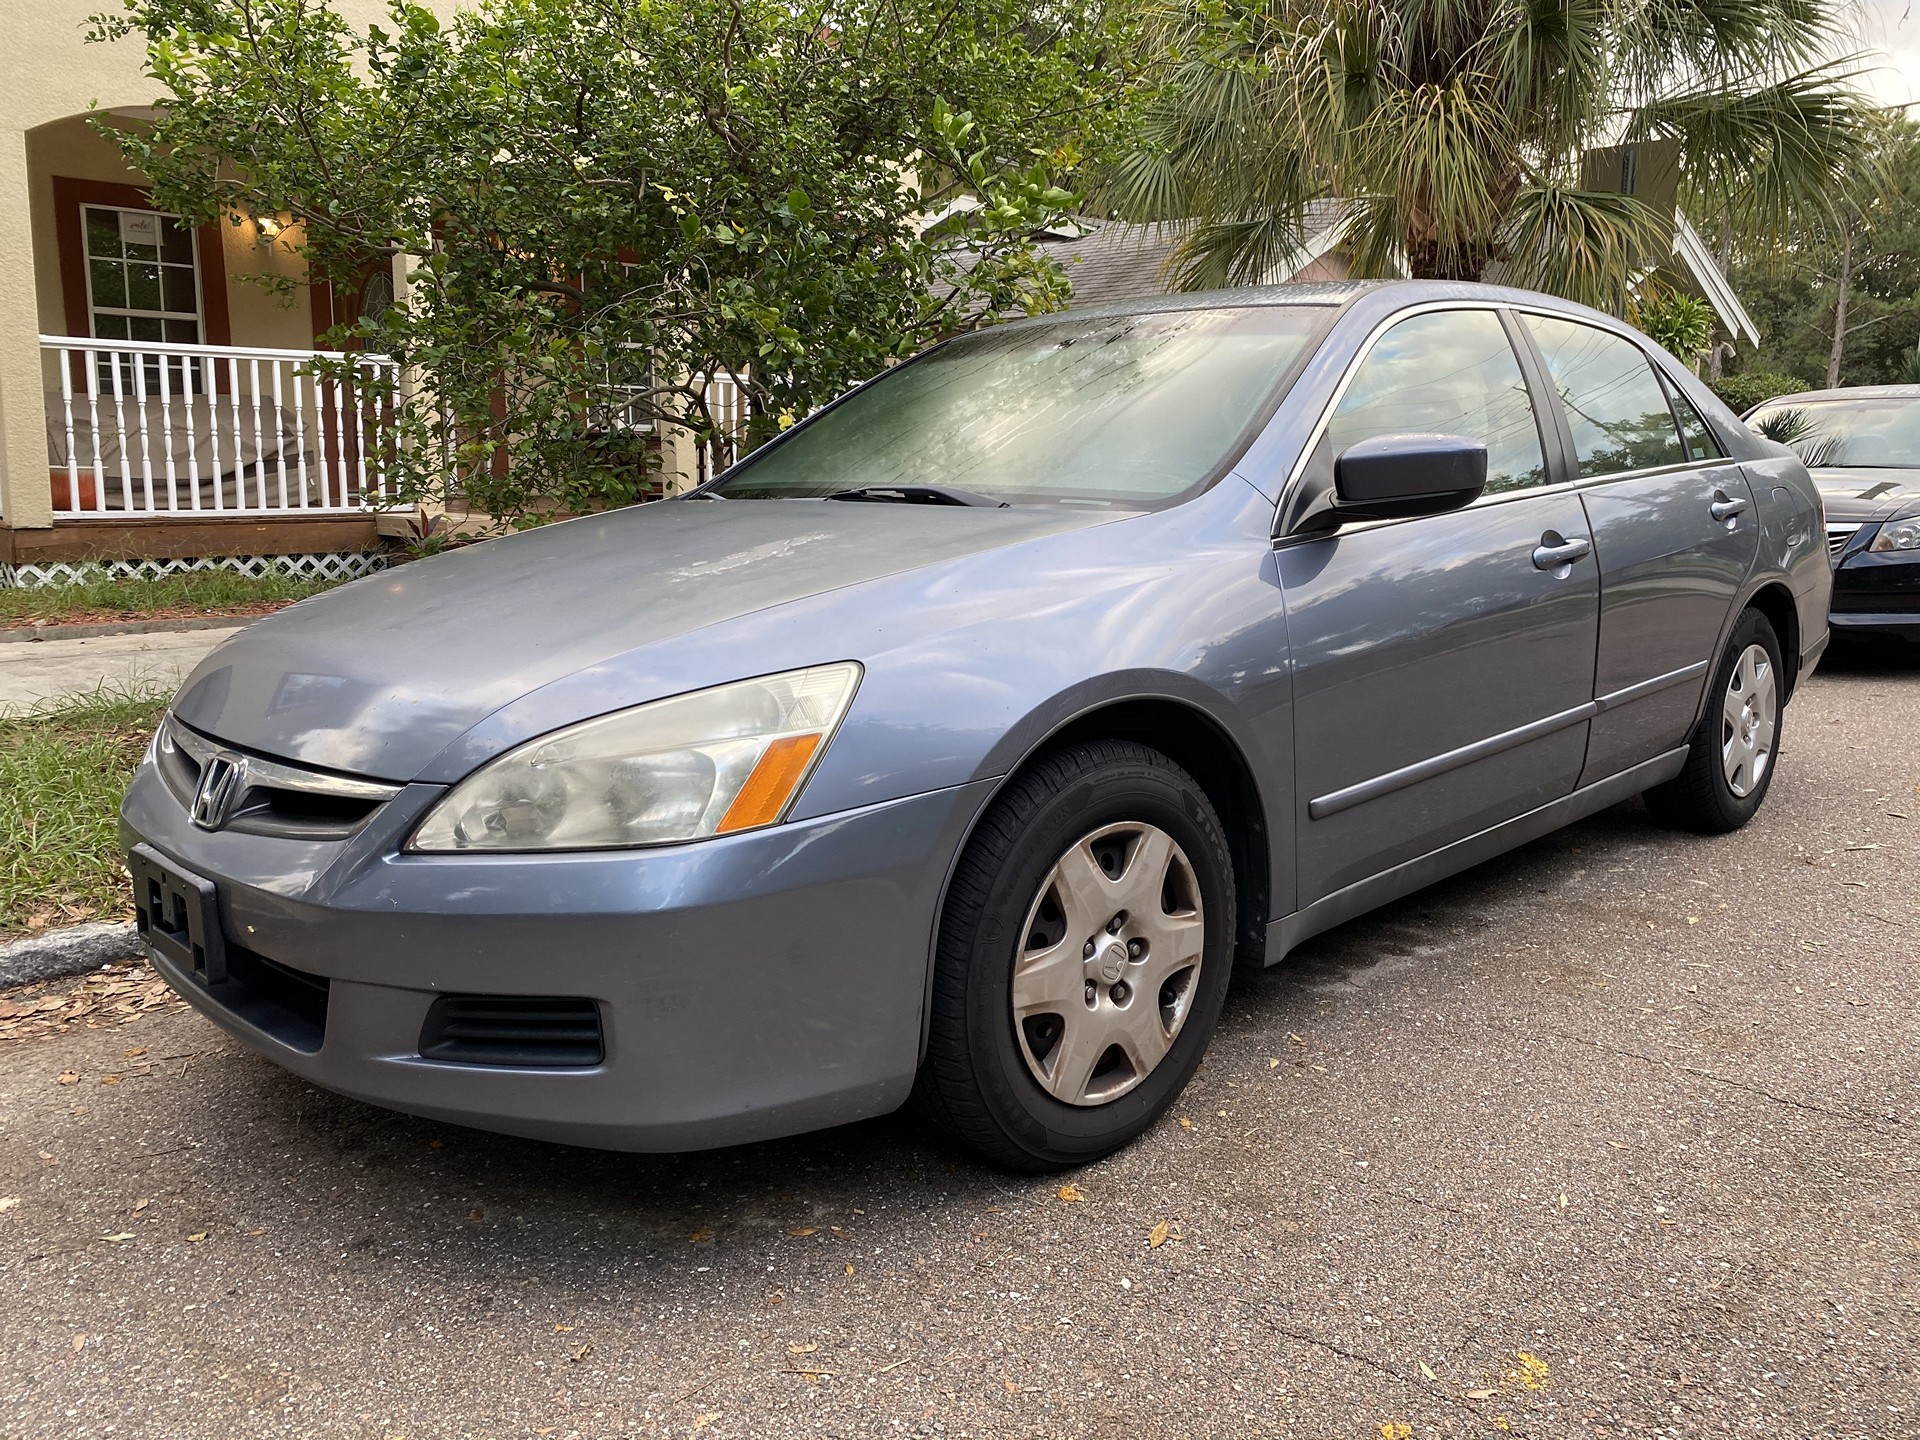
x=771, y=785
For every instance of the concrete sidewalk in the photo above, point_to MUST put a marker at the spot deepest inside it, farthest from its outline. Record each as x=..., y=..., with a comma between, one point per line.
x=48, y=669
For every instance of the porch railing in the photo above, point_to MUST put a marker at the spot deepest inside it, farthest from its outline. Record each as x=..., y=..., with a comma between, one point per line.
x=141, y=429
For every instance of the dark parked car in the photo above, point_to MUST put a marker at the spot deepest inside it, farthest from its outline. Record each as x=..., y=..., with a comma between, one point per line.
x=961, y=740
x=1863, y=448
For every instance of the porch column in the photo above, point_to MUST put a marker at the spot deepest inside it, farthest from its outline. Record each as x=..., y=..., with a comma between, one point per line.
x=26, y=499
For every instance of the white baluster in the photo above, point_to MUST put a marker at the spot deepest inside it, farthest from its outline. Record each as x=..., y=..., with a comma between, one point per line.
x=280, y=447
x=146, y=441
x=164, y=368
x=92, y=373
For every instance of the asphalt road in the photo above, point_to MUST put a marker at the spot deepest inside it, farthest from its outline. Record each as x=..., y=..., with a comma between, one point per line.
x=1614, y=1136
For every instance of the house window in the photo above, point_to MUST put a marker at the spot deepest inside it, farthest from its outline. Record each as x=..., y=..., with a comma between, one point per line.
x=143, y=283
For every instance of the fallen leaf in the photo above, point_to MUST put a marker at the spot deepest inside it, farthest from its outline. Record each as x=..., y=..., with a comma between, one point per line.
x=1013, y=1386
x=1272, y=1063
x=7, y=1202
x=79, y=1342
x=1425, y=1369
x=582, y=1353
x=800, y=1232
x=1481, y=1394
x=1396, y=1430
x=69, y=1077
x=1533, y=1371
x=849, y=1269
x=109, y=1079
x=115, y=1239
x=135, y=1053
x=700, y=1422
x=562, y=1329
x=700, y=1237
x=1185, y=1123
x=1157, y=1236
x=1070, y=1194
x=196, y=1237
x=806, y=1349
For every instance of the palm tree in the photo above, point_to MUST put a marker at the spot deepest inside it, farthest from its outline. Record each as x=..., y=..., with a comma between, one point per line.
x=1453, y=130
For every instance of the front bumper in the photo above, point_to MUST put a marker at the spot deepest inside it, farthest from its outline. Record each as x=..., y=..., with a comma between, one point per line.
x=747, y=987
x=1876, y=594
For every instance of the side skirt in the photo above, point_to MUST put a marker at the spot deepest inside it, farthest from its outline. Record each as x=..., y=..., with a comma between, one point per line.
x=1376, y=890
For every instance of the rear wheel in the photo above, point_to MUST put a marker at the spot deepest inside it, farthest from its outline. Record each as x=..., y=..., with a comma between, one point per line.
x=1083, y=957
x=1730, y=758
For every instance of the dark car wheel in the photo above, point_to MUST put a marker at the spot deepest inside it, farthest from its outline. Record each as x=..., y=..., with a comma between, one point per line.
x=1730, y=757
x=1083, y=956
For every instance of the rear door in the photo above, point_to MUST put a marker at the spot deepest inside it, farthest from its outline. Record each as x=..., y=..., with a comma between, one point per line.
x=1675, y=532
x=1443, y=666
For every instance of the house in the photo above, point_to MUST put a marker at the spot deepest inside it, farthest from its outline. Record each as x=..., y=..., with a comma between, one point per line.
x=157, y=408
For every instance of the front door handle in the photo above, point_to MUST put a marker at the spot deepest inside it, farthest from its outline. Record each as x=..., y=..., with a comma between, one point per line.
x=1724, y=508
x=1554, y=553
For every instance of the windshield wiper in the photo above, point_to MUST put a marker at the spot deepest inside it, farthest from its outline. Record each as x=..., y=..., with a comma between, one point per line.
x=919, y=495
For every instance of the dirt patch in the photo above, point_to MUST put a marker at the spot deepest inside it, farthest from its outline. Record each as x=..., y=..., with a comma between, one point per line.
x=161, y=612
x=98, y=1001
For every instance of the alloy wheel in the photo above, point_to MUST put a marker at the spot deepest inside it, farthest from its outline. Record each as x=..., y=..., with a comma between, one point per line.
x=1749, y=718
x=1108, y=959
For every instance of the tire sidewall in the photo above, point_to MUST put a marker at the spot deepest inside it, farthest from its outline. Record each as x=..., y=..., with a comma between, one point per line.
x=1113, y=793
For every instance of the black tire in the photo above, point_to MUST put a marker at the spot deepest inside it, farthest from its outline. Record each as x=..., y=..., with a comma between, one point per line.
x=976, y=1083
x=1701, y=798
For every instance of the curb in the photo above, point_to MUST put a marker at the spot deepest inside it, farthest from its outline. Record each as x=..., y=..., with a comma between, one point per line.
x=27, y=634
x=73, y=950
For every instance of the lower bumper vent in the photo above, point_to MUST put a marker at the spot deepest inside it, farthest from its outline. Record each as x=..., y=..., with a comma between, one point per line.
x=527, y=1030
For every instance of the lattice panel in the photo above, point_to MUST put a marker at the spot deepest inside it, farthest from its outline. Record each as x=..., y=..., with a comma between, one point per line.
x=329, y=565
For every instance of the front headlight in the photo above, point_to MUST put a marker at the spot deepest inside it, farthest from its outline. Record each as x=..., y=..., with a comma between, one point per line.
x=1898, y=535
x=709, y=763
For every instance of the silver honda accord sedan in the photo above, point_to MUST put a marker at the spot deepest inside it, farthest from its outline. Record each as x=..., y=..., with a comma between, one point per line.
x=958, y=744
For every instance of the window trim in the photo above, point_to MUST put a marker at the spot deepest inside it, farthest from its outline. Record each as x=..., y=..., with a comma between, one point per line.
x=70, y=197
x=130, y=312
x=1531, y=362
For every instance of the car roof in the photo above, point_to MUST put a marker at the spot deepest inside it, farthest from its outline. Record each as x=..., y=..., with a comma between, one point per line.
x=1847, y=392
x=1328, y=293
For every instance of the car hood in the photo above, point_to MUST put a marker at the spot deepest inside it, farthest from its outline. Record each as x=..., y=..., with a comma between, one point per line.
x=376, y=678
x=1859, y=495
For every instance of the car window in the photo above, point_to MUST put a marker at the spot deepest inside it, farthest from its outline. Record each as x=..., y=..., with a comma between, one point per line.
x=1130, y=410
x=1615, y=407
x=1700, y=441
x=1449, y=372
x=1874, y=431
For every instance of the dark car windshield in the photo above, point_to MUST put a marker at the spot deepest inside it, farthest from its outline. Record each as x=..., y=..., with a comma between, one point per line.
x=1879, y=431
x=1124, y=410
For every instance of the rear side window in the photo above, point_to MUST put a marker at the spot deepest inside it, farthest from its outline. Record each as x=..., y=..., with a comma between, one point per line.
x=1616, y=408
x=1450, y=372
x=1700, y=441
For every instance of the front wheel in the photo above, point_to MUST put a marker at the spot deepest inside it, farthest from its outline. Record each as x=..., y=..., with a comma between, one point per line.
x=1730, y=757
x=1083, y=957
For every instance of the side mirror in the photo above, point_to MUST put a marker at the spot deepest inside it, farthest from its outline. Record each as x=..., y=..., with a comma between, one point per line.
x=1391, y=477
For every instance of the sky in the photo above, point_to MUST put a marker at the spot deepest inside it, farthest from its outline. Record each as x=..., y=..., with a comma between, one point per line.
x=1892, y=27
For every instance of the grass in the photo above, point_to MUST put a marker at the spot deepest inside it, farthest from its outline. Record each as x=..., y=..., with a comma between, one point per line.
x=167, y=597
x=63, y=769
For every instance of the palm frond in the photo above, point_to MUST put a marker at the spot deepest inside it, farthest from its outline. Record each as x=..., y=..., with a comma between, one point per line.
x=1583, y=244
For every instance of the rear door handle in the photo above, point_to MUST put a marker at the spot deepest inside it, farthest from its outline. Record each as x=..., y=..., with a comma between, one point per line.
x=1553, y=552
x=1724, y=508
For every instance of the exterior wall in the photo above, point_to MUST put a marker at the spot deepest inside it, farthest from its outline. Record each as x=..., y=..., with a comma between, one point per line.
x=50, y=80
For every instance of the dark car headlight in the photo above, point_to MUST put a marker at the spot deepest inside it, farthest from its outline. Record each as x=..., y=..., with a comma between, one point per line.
x=708, y=763
x=1897, y=535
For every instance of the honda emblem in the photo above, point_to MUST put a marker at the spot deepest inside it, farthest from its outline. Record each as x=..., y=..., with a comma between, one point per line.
x=222, y=780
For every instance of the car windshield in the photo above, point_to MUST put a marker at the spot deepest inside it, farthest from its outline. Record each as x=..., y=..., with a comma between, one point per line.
x=1881, y=431
x=1128, y=410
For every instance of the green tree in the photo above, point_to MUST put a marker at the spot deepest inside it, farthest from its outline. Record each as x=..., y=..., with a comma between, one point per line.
x=1454, y=129
x=593, y=201
x=1842, y=306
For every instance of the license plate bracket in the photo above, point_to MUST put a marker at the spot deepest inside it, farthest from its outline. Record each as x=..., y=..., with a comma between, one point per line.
x=178, y=914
